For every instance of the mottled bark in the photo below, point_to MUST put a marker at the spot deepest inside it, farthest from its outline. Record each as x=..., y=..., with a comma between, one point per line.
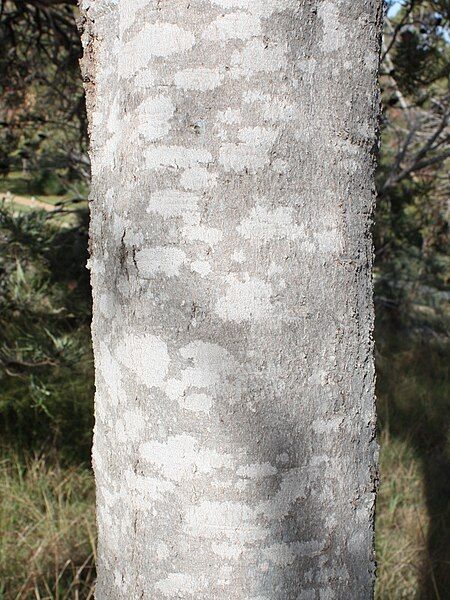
x=232, y=162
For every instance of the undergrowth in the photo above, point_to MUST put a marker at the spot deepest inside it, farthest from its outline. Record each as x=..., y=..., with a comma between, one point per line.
x=47, y=546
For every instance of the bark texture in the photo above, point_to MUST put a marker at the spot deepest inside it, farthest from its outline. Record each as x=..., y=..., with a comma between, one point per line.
x=233, y=148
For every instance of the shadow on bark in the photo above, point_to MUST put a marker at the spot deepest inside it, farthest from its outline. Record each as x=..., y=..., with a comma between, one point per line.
x=321, y=520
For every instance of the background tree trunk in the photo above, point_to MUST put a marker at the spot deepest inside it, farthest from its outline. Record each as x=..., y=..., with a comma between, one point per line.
x=233, y=149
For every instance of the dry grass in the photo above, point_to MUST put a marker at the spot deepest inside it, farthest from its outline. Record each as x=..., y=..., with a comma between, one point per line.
x=47, y=546
x=402, y=522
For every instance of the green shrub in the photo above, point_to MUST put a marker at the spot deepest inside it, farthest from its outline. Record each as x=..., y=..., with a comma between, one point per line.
x=48, y=182
x=45, y=352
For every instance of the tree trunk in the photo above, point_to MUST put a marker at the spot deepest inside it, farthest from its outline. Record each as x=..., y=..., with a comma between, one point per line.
x=233, y=150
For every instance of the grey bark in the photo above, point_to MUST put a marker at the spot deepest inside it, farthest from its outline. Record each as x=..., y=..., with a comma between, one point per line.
x=232, y=191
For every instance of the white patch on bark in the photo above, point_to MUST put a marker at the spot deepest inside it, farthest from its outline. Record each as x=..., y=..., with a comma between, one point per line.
x=128, y=12
x=202, y=233
x=182, y=457
x=238, y=25
x=172, y=203
x=274, y=270
x=130, y=425
x=239, y=256
x=252, y=151
x=279, y=166
x=308, y=65
x=330, y=239
x=328, y=593
x=276, y=109
x=108, y=367
x=168, y=261
x=327, y=426
x=202, y=267
x=147, y=490
x=106, y=305
x=307, y=595
x=257, y=57
x=245, y=300
x=181, y=585
x=198, y=178
x=176, y=157
x=210, y=364
x=256, y=471
x=146, y=356
x=227, y=551
x=201, y=79
x=264, y=8
x=174, y=389
x=234, y=520
x=208, y=370
x=258, y=136
x=280, y=554
x=230, y=116
x=333, y=33
x=266, y=224
x=154, y=39
x=162, y=550
x=198, y=403
x=292, y=488
x=144, y=79
x=152, y=118
x=284, y=554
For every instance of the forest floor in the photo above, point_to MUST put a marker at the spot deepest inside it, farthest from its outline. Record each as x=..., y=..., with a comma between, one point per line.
x=32, y=202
